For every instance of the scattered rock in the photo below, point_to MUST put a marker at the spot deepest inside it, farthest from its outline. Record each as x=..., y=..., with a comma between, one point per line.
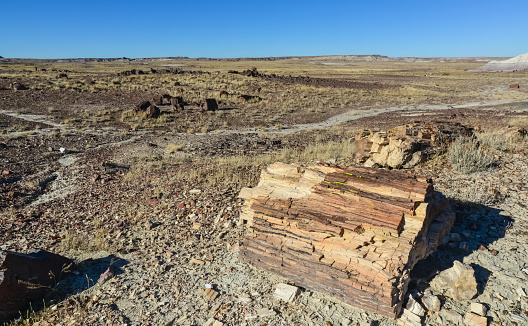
x=213, y=322
x=409, y=319
x=472, y=319
x=209, y=104
x=478, y=308
x=143, y=106
x=453, y=316
x=16, y=86
x=210, y=294
x=286, y=292
x=108, y=274
x=415, y=307
x=431, y=302
x=457, y=282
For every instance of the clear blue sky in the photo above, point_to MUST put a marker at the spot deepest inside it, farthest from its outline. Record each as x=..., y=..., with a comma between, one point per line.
x=425, y=28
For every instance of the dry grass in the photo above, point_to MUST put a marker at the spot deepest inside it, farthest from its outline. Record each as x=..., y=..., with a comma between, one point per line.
x=239, y=170
x=466, y=156
x=405, y=83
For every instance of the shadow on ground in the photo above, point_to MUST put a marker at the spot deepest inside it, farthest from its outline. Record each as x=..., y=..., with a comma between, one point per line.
x=477, y=225
x=88, y=272
x=82, y=277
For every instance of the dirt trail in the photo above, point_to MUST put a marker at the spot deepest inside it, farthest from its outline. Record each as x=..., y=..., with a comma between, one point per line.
x=356, y=114
x=350, y=115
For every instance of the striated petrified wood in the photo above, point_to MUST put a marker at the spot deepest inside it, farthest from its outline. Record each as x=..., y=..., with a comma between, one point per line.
x=352, y=232
x=25, y=278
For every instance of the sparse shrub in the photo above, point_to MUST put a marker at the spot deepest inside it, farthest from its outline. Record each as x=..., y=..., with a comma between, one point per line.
x=172, y=148
x=519, y=122
x=466, y=156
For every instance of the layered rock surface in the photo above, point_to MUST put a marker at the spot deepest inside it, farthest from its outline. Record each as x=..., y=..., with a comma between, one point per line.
x=354, y=233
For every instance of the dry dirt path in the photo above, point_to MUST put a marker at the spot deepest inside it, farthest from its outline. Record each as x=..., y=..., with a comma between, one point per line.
x=350, y=115
x=356, y=114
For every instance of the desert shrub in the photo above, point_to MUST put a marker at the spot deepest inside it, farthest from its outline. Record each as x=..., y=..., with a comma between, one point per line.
x=467, y=156
x=519, y=122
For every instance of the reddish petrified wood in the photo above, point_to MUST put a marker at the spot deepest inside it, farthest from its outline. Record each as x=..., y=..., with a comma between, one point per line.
x=354, y=233
x=25, y=278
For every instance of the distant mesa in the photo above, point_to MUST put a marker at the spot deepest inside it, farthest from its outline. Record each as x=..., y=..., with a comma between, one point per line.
x=517, y=63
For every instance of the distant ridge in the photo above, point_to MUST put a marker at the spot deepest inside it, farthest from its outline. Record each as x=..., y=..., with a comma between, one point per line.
x=323, y=59
x=517, y=63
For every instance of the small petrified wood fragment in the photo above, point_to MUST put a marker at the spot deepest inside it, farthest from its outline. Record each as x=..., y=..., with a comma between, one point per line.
x=354, y=233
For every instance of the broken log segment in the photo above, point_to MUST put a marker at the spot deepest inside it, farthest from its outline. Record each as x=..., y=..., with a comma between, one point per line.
x=25, y=278
x=354, y=233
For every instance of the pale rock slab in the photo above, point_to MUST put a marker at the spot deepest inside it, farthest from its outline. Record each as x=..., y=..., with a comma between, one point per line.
x=457, y=282
x=431, y=302
x=472, y=319
x=478, y=308
x=409, y=319
x=286, y=292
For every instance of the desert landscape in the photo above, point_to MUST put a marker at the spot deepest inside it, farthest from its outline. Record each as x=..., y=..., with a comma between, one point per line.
x=155, y=179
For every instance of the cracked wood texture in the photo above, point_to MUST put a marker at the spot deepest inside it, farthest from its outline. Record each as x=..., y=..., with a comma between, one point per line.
x=354, y=233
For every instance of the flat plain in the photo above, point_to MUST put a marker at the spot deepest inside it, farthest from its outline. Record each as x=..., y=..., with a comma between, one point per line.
x=85, y=175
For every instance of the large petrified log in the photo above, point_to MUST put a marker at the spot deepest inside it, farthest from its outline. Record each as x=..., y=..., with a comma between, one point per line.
x=25, y=278
x=355, y=233
x=406, y=146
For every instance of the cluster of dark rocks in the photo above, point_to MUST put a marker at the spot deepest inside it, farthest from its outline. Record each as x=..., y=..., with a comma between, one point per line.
x=176, y=102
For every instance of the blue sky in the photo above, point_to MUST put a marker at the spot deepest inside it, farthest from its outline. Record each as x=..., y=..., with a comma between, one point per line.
x=71, y=29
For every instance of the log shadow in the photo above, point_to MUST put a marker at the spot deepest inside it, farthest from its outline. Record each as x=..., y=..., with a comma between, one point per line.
x=87, y=272
x=478, y=226
x=83, y=276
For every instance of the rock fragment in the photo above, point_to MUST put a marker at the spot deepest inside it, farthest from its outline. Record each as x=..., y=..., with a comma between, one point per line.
x=457, y=282
x=431, y=302
x=415, y=307
x=286, y=292
x=478, y=308
x=108, y=274
x=213, y=322
x=404, y=146
x=210, y=294
x=409, y=319
x=453, y=316
x=472, y=319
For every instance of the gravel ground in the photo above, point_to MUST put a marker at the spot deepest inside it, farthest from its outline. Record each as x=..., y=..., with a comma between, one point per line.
x=167, y=240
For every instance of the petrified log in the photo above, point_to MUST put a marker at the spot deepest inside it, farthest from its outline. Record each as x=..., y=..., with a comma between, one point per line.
x=153, y=111
x=209, y=104
x=177, y=103
x=25, y=278
x=143, y=106
x=354, y=233
x=405, y=146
